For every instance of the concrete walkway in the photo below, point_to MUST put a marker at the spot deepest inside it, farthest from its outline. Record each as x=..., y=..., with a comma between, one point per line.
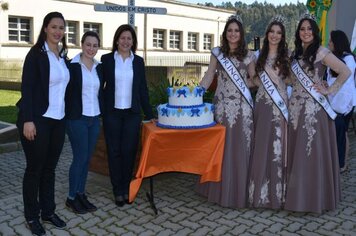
x=181, y=210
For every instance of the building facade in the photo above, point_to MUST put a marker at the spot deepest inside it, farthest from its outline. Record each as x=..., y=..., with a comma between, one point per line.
x=342, y=16
x=181, y=37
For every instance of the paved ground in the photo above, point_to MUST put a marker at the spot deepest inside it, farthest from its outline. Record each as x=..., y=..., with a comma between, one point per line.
x=181, y=211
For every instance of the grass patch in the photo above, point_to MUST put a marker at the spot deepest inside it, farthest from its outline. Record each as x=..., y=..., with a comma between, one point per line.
x=8, y=109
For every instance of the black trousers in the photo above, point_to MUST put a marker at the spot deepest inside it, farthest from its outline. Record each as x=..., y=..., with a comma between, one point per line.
x=121, y=130
x=42, y=156
x=341, y=126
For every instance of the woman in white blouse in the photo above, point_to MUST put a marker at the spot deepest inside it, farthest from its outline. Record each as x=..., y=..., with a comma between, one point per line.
x=125, y=93
x=343, y=100
x=83, y=100
x=41, y=121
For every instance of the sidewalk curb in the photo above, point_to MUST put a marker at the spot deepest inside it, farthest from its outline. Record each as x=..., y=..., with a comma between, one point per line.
x=10, y=147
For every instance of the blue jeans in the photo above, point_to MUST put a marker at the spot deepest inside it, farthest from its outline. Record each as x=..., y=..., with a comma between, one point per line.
x=83, y=135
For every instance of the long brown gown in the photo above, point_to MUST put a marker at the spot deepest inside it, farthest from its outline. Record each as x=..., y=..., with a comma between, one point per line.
x=267, y=168
x=313, y=178
x=233, y=111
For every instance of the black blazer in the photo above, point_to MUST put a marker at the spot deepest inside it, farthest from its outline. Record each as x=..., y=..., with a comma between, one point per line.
x=140, y=96
x=34, y=99
x=73, y=98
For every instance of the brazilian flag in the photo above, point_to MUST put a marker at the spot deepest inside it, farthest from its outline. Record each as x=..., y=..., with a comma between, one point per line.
x=320, y=8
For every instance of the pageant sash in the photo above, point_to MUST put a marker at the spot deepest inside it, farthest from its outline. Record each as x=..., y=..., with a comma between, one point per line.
x=307, y=83
x=234, y=75
x=274, y=94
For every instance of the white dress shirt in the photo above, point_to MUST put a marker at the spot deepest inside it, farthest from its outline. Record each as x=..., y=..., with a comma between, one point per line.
x=123, y=81
x=343, y=100
x=90, y=88
x=58, y=80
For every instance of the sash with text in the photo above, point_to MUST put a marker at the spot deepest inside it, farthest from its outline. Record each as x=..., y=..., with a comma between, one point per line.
x=274, y=94
x=307, y=83
x=234, y=75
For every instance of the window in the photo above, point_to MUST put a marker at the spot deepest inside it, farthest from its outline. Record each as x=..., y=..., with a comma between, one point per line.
x=158, y=38
x=19, y=29
x=92, y=27
x=192, y=41
x=208, y=39
x=174, y=40
x=71, y=33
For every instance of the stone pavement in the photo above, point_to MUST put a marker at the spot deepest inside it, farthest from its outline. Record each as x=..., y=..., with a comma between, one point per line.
x=181, y=210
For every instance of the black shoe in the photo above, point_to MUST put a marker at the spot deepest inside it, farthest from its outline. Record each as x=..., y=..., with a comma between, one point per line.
x=36, y=227
x=85, y=203
x=54, y=220
x=76, y=206
x=119, y=201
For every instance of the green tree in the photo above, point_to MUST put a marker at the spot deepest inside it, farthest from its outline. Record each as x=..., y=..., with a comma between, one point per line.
x=256, y=17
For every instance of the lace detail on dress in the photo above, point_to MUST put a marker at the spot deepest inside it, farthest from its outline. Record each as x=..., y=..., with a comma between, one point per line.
x=265, y=190
x=297, y=103
x=231, y=103
x=322, y=52
x=302, y=99
x=279, y=192
x=270, y=61
x=264, y=193
x=295, y=106
x=260, y=93
x=277, y=150
x=250, y=57
x=247, y=119
x=228, y=98
x=311, y=108
x=251, y=190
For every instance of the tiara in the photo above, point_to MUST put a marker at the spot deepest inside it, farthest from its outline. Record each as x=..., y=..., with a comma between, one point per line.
x=279, y=18
x=309, y=16
x=235, y=17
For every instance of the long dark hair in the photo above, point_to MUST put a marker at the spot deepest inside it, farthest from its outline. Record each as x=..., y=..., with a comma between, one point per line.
x=42, y=37
x=341, y=46
x=119, y=31
x=282, y=60
x=309, y=55
x=341, y=43
x=241, y=51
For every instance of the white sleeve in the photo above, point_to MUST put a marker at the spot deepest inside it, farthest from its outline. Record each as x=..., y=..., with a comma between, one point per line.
x=343, y=100
x=351, y=64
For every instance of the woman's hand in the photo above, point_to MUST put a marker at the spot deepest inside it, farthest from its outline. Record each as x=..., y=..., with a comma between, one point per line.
x=29, y=130
x=321, y=88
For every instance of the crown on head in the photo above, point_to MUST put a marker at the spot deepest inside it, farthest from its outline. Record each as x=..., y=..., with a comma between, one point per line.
x=279, y=18
x=308, y=15
x=236, y=17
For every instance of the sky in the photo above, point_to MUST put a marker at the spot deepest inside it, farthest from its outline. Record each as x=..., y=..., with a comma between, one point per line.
x=216, y=2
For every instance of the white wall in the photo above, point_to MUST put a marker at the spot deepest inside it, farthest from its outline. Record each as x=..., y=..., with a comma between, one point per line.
x=180, y=16
x=342, y=16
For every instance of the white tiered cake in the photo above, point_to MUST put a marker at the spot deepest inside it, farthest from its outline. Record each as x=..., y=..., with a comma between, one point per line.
x=185, y=109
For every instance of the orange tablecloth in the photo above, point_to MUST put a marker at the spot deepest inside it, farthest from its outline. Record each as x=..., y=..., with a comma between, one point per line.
x=196, y=151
